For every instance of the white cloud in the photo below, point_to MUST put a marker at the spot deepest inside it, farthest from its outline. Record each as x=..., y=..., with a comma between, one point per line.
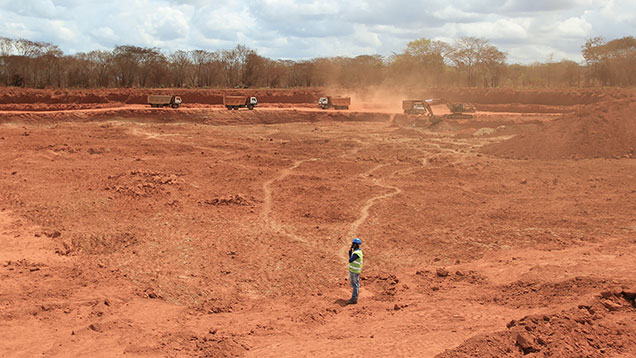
x=574, y=27
x=499, y=29
x=35, y=8
x=620, y=11
x=298, y=29
x=167, y=24
x=105, y=34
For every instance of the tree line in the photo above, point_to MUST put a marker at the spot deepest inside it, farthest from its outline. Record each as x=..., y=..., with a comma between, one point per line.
x=469, y=61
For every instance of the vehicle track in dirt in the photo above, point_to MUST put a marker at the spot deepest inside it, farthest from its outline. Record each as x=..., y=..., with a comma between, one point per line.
x=271, y=223
x=364, y=211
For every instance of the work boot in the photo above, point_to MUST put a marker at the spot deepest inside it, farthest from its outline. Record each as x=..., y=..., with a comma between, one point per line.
x=352, y=302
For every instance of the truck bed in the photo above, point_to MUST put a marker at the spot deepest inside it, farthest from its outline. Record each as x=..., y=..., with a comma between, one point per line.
x=340, y=101
x=159, y=99
x=234, y=100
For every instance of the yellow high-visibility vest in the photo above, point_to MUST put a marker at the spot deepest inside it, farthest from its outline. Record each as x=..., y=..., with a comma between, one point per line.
x=356, y=265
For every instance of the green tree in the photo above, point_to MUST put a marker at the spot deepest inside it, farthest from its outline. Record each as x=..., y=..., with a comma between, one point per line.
x=611, y=63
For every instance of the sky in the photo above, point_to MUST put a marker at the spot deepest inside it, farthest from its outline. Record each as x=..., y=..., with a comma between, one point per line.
x=527, y=30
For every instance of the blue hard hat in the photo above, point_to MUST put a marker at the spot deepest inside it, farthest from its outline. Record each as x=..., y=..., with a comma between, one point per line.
x=357, y=241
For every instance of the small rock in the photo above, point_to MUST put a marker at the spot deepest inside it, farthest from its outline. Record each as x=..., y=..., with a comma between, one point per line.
x=95, y=327
x=524, y=181
x=526, y=342
x=53, y=234
x=611, y=306
x=442, y=272
x=607, y=294
x=107, y=302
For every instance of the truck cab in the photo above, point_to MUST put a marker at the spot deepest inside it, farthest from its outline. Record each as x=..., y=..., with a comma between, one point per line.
x=323, y=102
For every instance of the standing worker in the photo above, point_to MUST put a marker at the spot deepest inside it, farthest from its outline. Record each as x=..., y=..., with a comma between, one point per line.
x=355, y=268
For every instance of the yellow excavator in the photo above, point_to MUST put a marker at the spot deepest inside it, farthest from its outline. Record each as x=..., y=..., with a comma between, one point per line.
x=418, y=106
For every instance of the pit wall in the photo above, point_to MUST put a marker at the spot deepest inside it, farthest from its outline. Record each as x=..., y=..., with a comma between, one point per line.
x=12, y=95
x=480, y=96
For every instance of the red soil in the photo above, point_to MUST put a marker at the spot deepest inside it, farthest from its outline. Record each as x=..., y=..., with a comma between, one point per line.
x=139, y=96
x=495, y=100
x=202, y=232
x=602, y=328
x=603, y=130
x=542, y=97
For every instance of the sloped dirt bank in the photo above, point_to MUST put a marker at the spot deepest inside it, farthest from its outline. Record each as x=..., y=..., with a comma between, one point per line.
x=603, y=130
x=601, y=328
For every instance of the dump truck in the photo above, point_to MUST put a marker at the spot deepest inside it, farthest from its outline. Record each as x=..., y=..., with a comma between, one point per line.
x=160, y=100
x=236, y=102
x=334, y=102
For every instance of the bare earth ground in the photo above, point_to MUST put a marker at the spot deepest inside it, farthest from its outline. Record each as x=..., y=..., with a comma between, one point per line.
x=198, y=232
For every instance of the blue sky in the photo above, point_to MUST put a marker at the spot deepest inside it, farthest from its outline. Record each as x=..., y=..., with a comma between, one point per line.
x=526, y=30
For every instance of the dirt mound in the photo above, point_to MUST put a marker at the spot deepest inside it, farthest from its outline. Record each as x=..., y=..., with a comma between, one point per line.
x=604, y=130
x=141, y=183
x=595, y=330
x=530, y=294
x=443, y=126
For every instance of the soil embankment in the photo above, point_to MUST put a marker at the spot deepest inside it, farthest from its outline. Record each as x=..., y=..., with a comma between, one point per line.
x=59, y=99
x=602, y=130
x=493, y=100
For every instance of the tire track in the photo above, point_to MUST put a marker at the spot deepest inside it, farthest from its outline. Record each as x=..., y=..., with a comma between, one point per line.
x=167, y=138
x=267, y=209
x=364, y=211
